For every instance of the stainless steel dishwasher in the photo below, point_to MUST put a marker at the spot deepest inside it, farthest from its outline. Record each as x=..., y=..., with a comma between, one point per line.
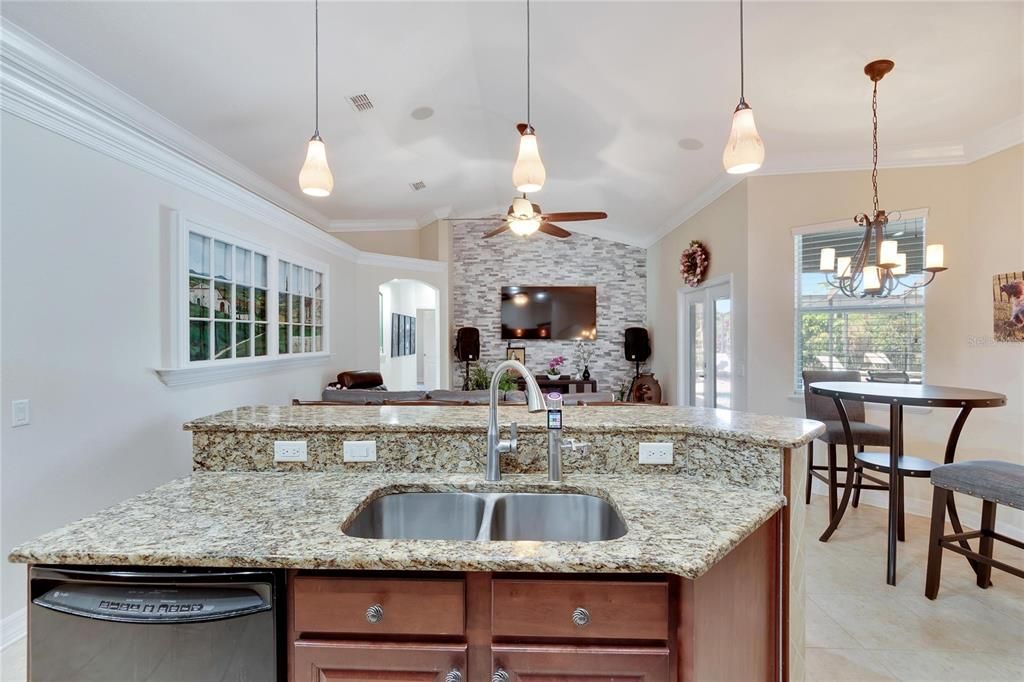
x=162, y=625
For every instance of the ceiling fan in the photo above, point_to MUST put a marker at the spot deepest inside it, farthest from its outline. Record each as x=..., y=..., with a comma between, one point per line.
x=525, y=218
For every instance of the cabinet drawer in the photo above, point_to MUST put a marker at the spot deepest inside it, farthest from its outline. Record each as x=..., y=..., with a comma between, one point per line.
x=318, y=661
x=588, y=609
x=399, y=606
x=522, y=663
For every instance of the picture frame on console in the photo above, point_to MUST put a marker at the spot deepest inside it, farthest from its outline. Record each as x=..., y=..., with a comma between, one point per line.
x=517, y=353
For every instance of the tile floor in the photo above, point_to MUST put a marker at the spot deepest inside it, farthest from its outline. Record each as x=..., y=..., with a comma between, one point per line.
x=858, y=628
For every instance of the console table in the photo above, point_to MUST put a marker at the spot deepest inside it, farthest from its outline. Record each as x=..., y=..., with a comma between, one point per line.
x=564, y=385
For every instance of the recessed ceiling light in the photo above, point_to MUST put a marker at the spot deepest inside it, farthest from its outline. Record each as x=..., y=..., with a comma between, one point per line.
x=690, y=144
x=422, y=113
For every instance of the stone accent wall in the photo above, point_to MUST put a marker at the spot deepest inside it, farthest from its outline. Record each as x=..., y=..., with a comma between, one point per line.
x=479, y=268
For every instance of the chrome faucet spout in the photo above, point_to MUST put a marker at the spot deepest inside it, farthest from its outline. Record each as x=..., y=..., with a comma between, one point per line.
x=534, y=403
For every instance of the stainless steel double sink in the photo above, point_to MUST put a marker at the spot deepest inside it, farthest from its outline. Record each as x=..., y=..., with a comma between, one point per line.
x=551, y=517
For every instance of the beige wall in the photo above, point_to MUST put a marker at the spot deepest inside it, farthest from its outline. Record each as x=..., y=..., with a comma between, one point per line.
x=390, y=242
x=722, y=226
x=976, y=210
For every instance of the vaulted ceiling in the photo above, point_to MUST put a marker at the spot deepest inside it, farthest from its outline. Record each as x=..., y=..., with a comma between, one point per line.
x=617, y=86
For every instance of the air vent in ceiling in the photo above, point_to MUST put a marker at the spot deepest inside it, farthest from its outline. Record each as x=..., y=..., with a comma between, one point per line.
x=418, y=185
x=361, y=102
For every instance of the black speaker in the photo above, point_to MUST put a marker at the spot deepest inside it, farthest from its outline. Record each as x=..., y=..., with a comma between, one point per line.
x=467, y=344
x=638, y=344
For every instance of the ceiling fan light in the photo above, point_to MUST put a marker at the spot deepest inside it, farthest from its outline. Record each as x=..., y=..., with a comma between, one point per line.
x=744, y=152
x=524, y=227
x=315, y=178
x=528, y=175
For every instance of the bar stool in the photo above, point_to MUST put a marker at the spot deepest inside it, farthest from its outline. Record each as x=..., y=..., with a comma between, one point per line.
x=992, y=481
x=823, y=409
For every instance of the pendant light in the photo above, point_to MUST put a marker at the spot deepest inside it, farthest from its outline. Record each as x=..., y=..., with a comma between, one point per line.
x=744, y=152
x=528, y=174
x=315, y=178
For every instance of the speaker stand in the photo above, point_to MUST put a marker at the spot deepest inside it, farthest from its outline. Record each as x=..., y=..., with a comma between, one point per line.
x=465, y=379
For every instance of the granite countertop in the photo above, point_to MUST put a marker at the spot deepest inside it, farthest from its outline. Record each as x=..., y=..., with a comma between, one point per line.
x=675, y=525
x=783, y=432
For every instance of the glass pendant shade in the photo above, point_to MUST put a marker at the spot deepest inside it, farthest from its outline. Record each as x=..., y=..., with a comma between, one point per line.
x=935, y=257
x=315, y=178
x=525, y=227
x=528, y=175
x=887, y=256
x=872, y=278
x=843, y=267
x=828, y=260
x=744, y=152
x=901, y=265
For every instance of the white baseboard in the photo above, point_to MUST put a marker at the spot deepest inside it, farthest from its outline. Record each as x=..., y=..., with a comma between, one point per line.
x=13, y=628
x=969, y=517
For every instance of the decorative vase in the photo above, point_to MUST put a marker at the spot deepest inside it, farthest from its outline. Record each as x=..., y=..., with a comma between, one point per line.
x=586, y=373
x=555, y=377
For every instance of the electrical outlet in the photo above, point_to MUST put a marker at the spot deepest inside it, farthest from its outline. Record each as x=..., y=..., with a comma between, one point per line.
x=289, y=451
x=360, y=451
x=656, y=453
x=21, y=413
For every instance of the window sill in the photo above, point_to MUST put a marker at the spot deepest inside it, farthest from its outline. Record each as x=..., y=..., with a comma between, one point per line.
x=873, y=407
x=214, y=374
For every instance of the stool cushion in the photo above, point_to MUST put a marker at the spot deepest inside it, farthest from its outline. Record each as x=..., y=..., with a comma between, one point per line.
x=1000, y=482
x=863, y=434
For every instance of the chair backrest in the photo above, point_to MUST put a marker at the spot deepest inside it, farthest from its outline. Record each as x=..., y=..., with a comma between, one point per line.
x=888, y=376
x=824, y=409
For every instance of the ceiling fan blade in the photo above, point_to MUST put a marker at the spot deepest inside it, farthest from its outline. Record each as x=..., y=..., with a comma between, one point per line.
x=496, y=231
x=576, y=215
x=554, y=230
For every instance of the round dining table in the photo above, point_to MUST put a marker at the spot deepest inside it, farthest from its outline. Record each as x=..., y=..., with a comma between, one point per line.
x=897, y=396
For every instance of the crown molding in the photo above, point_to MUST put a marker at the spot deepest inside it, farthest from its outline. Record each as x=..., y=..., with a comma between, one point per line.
x=381, y=225
x=401, y=262
x=1009, y=133
x=43, y=87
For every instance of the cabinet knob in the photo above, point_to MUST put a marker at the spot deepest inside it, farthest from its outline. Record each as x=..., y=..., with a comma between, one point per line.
x=581, y=617
x=454, y=675
x=375, y=614
x=500, y=676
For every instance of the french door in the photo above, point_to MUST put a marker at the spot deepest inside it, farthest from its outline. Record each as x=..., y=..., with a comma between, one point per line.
x=706, y=360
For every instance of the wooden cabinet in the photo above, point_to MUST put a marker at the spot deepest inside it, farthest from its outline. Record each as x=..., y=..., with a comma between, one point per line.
x=359, y=626
x=327, y=661
x=582, y=663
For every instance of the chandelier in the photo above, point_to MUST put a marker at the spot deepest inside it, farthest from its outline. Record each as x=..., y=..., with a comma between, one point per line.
x=876, y=268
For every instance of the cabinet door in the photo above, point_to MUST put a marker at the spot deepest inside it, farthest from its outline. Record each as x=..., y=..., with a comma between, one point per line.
x=581, y=663
x=315, y=661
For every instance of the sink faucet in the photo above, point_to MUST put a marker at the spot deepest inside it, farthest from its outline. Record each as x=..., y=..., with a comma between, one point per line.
x=534, y=403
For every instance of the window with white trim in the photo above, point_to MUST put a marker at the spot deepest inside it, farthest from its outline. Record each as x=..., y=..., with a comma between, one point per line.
x=870, y=335
x=300, y=309
x=229, y=286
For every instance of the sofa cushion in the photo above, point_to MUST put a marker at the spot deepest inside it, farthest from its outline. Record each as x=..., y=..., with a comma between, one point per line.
x=361, y=378
x=482, y=397
x=403, y=396
x=594, y=397
x=355, y=396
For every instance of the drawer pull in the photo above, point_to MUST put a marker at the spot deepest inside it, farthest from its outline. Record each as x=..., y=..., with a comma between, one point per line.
x=454, y=675
x=500, y=676
x=581, y=617
x=375, y=614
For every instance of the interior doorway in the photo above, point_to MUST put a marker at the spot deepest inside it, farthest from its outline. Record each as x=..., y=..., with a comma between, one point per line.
x=706, y=345
x=428, y=364
x=409, y=337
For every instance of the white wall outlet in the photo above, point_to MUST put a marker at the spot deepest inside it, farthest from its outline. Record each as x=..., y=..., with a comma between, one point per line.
x=656, y=453
x=21, y=412
x=289, y=451
x=360, y=451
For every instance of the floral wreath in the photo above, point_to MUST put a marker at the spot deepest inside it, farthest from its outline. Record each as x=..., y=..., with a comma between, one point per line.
x=693, y=264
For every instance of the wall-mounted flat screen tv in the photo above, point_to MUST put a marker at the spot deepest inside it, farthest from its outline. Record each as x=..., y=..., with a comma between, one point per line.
x=564, y=313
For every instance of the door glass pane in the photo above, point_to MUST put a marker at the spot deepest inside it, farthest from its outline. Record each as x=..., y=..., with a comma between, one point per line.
x=697, y=354
x=198, y=340
x=260, y=270
x=198, y=254
x=260, y=304
x=222, y=340
x=242, y=295
x=723, y=352
x=282, y=338
x=198, y=297
x=242, y=345
x=260, y=340
x=243, y=265
x=222, y=300
x=221, y=260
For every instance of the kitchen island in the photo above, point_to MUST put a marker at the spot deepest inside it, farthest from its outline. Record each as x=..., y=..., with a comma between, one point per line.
x=703, y=578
